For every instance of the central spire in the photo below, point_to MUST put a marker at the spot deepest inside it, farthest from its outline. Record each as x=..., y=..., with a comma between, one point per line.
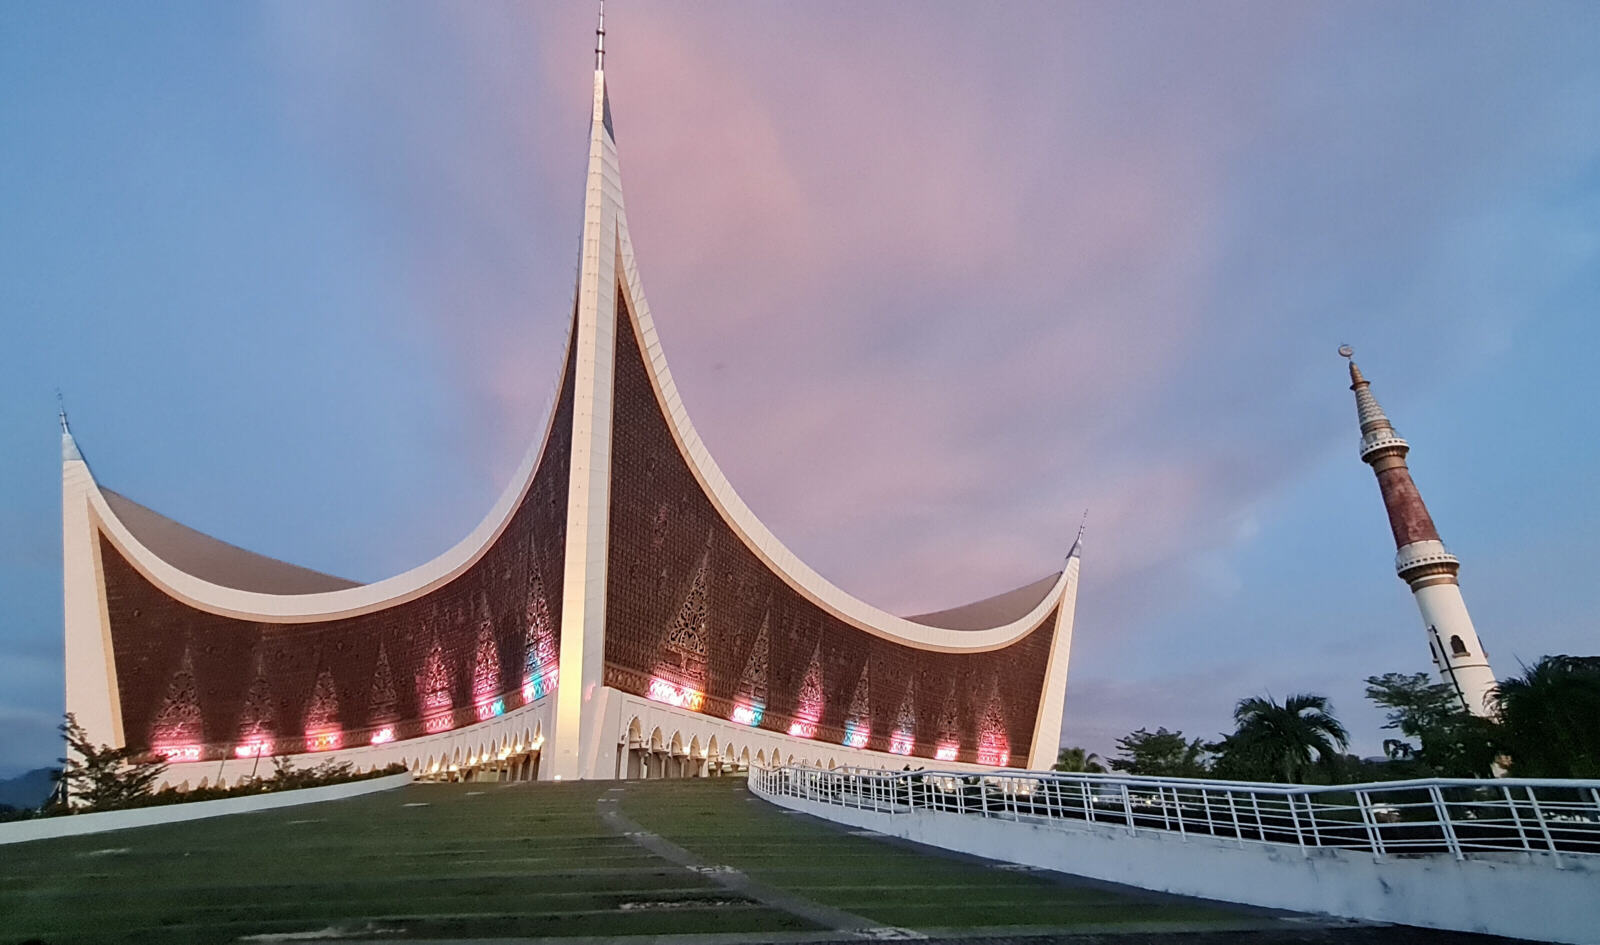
x=600, y=41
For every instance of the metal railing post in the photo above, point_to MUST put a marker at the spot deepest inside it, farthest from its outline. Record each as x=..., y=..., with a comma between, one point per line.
x=1233, y=813
x=1205, y=802
x=1516, y=819
x=1127, y=808
x=1446, y=826
x=1311, y=815
x=1294, y=817
x=1374, y=837
x=1544, y=828
x=1261, y=827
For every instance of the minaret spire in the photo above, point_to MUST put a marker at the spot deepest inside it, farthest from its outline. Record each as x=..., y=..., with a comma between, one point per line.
x=600, y=41
x=1421, y=559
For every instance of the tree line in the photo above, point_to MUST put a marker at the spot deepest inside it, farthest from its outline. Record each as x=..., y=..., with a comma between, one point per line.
x=1545, y=723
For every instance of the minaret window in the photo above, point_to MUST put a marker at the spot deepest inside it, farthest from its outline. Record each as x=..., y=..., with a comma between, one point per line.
x=1457, y=648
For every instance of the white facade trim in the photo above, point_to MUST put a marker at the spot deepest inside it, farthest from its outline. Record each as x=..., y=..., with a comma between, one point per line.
x=760, y=539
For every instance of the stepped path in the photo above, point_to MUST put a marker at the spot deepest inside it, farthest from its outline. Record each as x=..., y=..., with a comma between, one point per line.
x=663, y=861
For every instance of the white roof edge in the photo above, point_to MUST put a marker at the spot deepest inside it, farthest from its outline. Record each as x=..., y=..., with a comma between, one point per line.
x=767, y=546
x=347, y=602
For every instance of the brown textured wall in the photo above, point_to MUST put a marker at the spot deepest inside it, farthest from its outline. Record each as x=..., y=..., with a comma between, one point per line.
x=693, y=616
x=1408, y=516
x=194, y=683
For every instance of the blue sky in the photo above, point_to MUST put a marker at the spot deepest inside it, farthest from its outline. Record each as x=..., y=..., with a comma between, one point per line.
x=933, y=280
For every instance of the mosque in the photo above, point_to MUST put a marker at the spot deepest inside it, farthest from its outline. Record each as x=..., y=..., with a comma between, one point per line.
x=619, y=613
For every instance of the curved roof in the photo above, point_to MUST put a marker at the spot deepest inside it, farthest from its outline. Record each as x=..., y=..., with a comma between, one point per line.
x=218, y=577
x=992, y=611
x=214, y=560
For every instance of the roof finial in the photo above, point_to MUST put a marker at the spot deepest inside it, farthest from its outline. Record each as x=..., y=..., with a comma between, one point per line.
x=600, y=41
x=61, y=413
x=1349, y=354
x=1077, y=543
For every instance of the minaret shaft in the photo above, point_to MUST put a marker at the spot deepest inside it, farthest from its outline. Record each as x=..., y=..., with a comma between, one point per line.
x=1421, y=559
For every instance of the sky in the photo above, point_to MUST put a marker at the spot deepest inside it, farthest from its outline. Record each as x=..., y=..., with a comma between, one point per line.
x=934, y=279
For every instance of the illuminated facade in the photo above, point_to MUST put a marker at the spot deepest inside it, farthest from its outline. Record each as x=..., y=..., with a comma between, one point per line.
x=620, y=612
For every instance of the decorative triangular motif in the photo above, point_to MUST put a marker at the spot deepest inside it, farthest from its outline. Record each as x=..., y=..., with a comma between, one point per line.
x=435, y=683
x=538, y=637
x=904, y=737
x=322, y=714
x=256, y=730
x=178, y=729
x=753, y=681
x=858, y=720
x=687, y=634
x=686, y=638
x=949, y=728
x=808, y=703
x=485, y=664
x=994, y=746
x=383, y=706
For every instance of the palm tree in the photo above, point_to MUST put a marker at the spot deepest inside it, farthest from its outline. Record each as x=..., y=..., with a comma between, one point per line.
x=1550, y=718
x=1078, y=759
x=1278, y=742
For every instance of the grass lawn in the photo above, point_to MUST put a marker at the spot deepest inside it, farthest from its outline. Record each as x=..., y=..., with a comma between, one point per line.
x=477, y=860
x=891, y=883
x=526, y=860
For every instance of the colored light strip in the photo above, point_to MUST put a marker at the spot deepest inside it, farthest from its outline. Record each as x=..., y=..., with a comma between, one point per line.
x=681, y=696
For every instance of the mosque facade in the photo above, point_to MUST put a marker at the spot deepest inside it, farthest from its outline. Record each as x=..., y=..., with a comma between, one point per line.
x=620, y=612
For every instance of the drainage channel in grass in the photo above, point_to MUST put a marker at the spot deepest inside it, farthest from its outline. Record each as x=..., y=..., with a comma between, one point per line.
x=896, y=884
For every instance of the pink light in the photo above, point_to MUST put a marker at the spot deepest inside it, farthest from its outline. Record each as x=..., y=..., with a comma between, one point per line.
x=681, y=696
x=439, y=723
x=323, y=741
x=947, y=752
x=855, y=737
x=253, y=749
x=747, y=714
x=993, y=756
x=179, y=752
x=803, y=729
x=901, y=743
x=490, y=708
x=383, y=736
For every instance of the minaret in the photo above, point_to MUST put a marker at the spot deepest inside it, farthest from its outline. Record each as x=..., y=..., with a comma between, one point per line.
x=1420, y=557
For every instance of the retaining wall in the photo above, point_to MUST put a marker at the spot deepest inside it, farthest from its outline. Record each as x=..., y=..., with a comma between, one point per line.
x=47, y=828
x=1516, y=895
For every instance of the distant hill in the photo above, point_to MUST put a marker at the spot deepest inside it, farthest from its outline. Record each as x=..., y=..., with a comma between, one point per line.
x=27, y=790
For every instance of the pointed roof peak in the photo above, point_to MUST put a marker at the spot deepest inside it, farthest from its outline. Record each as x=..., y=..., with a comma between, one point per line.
x=1076, y=551
x=69, y=446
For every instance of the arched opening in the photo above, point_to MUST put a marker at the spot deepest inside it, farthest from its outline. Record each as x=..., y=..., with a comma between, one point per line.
x=692, y=762
x=638, y=754
x=657, y=757
x=675, y=756
x=1457, y=647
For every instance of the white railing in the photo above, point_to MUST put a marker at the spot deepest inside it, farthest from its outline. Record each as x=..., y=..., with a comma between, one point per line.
x=1548, y=819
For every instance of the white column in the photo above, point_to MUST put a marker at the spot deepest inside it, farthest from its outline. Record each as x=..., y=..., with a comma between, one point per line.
x=572, y=743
